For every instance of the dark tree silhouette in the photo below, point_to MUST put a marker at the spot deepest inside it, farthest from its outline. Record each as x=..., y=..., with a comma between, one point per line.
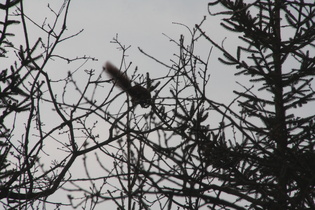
x=26, y=90
x=261, y=157
x=176, y=154
x=274, y=164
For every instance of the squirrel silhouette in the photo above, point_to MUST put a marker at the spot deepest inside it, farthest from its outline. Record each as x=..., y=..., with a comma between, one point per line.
x=138, y=94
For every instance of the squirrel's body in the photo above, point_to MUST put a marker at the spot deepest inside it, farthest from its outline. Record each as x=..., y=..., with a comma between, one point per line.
x=139, y=94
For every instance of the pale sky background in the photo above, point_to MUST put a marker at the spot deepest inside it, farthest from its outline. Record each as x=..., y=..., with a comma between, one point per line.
x=139, y=23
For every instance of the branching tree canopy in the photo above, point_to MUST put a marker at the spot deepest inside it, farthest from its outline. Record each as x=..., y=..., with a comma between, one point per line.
x=99, y=149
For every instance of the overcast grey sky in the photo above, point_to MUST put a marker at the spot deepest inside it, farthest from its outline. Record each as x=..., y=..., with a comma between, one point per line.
x=139, y=23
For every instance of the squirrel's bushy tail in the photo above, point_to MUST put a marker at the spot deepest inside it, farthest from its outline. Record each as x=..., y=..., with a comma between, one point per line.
x=121, y=79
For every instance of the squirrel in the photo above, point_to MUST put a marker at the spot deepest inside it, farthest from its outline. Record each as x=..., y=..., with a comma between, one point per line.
x=138, y=94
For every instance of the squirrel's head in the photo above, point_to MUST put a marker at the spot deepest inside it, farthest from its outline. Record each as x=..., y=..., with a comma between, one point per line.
x=140, y=95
